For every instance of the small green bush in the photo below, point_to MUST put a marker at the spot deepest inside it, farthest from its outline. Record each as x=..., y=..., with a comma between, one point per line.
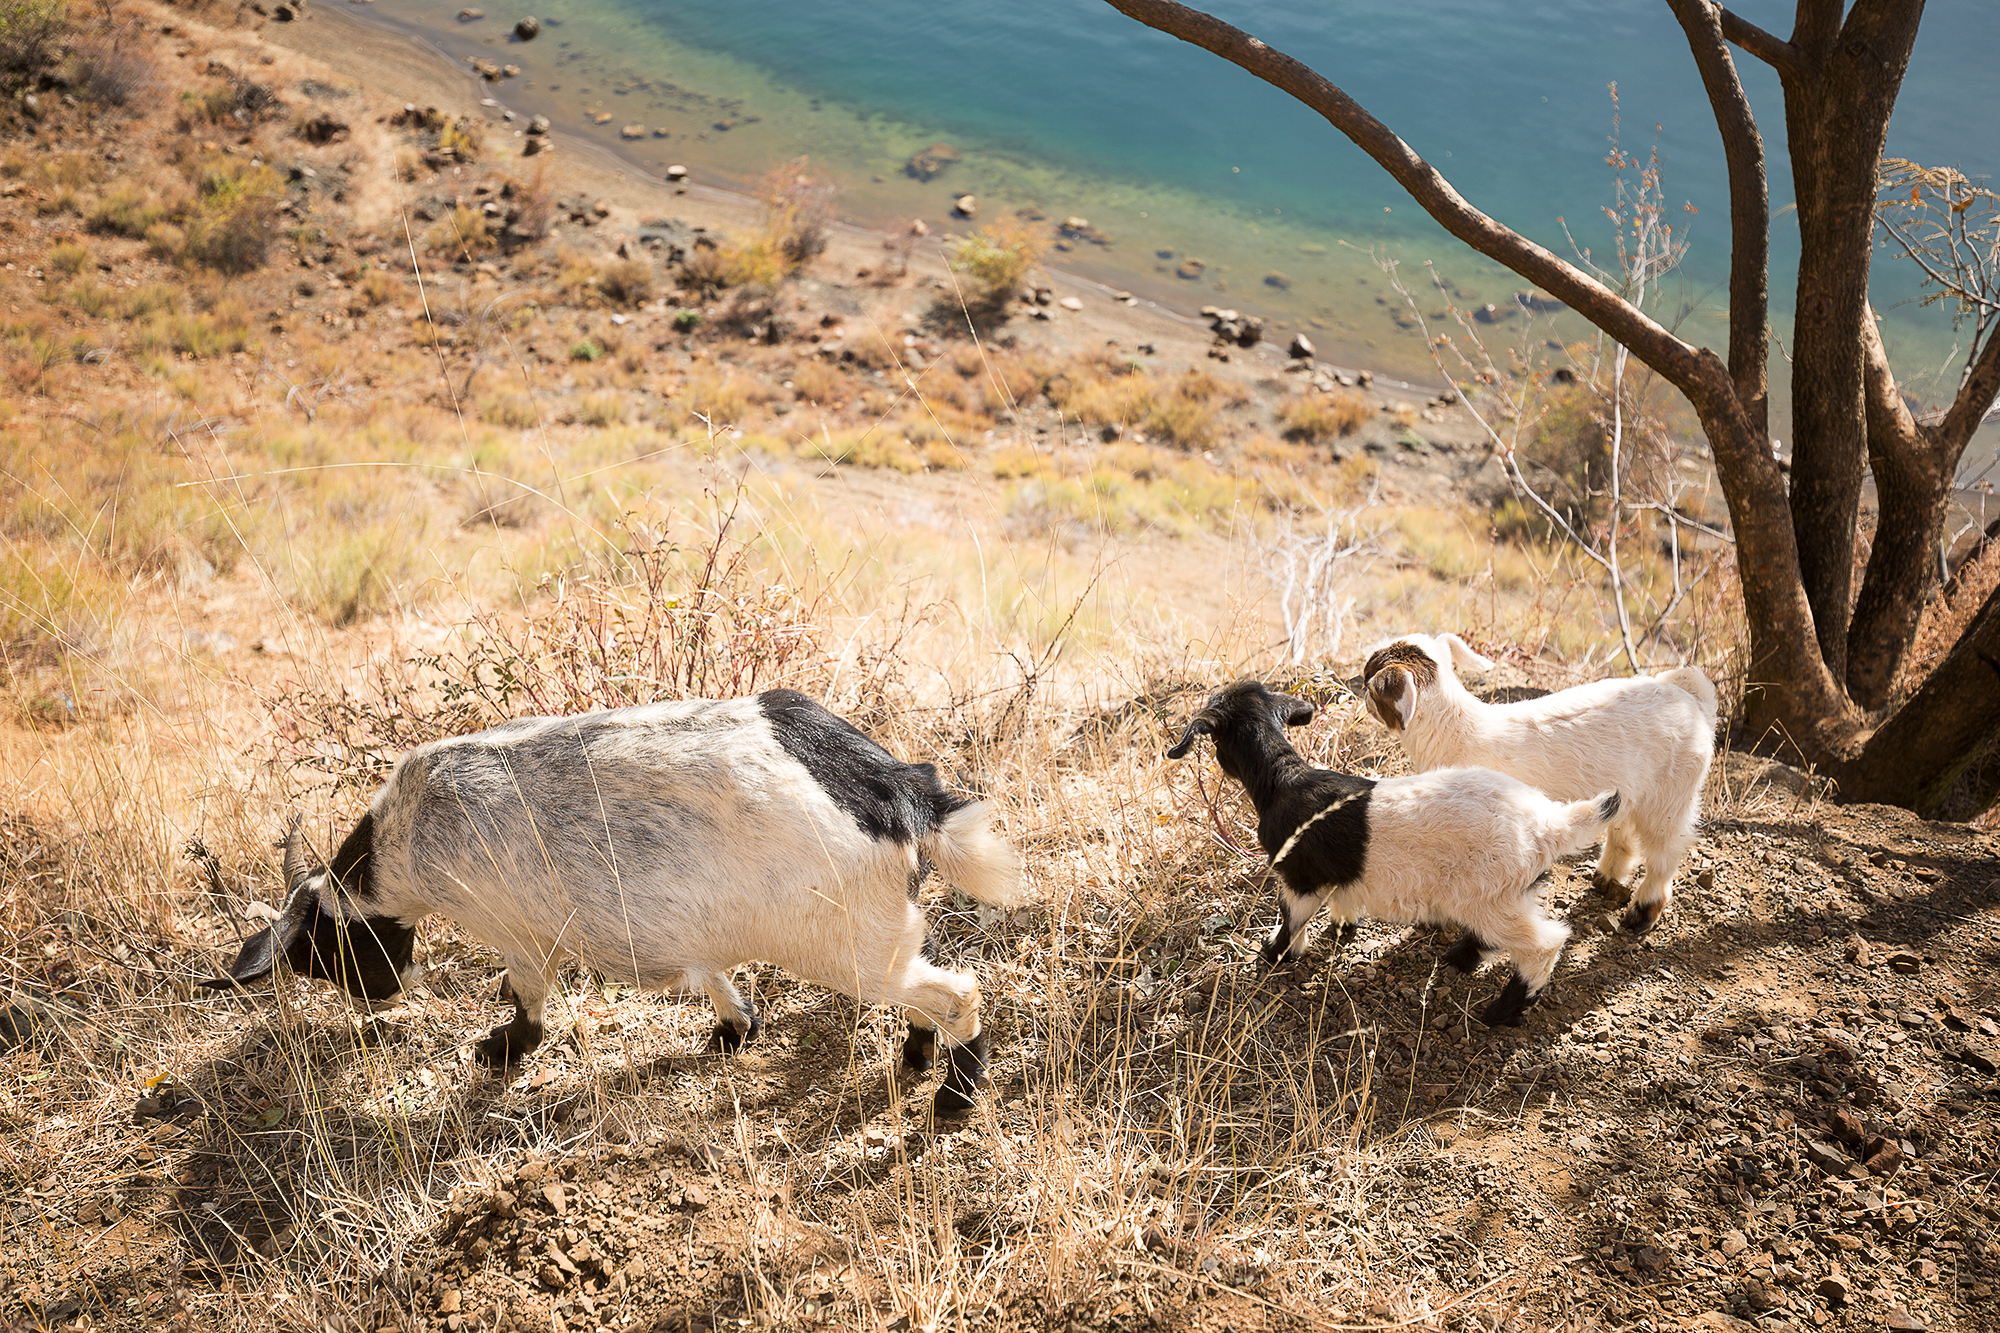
x=585, y=350
x=997, y=258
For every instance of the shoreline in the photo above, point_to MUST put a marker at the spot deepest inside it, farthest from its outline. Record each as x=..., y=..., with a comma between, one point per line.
x=418, y=66
x=371, y=44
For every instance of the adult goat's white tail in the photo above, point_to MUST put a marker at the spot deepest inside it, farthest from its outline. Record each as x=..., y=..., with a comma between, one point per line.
x=975, y=858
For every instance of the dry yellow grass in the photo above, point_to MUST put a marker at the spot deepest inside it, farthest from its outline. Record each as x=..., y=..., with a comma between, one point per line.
x=283, y=535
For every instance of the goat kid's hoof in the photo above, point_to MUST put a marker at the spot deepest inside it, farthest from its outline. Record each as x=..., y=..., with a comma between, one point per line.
x=1467, y=953
x=1619, y=894
x=1510, y=1009
x=1642, y=917
x=729, y=1041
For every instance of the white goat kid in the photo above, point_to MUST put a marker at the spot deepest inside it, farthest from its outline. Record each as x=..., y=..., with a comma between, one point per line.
x=662, y=846
x=1462, y=846
x=1650, y=737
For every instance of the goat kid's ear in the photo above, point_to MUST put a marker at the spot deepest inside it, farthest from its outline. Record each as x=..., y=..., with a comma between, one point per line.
x=1201, y=725
x=1462, y=656
x=1392, y=697
x=261, y=952
x=1297, y=711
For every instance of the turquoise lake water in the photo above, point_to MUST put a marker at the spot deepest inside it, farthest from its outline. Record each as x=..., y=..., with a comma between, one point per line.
x=1066, y=106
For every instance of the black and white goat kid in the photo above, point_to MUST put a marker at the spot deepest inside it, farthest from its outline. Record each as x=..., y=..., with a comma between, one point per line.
x=1462, y=846
x=662, y=846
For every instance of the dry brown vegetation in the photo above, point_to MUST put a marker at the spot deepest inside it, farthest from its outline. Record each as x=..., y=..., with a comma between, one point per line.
x=269, y=517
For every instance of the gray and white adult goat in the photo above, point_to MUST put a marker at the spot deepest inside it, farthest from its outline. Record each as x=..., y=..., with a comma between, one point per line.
x=1651, y=737
x=1462, y=846
x=662, y=846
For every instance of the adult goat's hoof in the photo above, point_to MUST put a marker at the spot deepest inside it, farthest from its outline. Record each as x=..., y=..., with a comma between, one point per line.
x=505, y=1045
x=729, y=1040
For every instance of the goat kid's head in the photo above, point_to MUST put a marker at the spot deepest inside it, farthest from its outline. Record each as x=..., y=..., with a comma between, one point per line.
x=1404, y=668
x=1242, y=718
x=367, y=956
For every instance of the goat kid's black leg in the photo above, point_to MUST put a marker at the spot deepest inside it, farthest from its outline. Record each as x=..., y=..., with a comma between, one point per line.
x=1281, y=939
x=1466, y=954
x=920, y=1048
x=964, y=1074
x=1514, y=1002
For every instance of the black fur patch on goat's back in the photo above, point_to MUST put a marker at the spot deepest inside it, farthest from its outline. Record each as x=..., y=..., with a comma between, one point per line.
x=1334, y=850
x=888, y=799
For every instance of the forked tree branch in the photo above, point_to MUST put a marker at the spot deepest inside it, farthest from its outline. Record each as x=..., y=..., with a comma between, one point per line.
x=1779, y=54
x=1706, y=26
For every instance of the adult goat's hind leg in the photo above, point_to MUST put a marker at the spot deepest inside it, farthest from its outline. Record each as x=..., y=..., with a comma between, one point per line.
x=736, y=1017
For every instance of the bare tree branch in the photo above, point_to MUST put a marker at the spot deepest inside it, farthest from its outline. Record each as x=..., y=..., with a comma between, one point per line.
x=1975, y=396
x=1679, y=362
x=1749, y=205
x=1775, y=52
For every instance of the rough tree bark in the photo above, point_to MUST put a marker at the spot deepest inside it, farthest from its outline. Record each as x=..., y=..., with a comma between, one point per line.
x=1811, y=642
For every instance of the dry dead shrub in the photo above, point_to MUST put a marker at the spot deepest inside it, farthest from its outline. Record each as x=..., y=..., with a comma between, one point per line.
x=626, y=281
x=668, y=619
x=823, y=383
x=1323, y=416
x=798, y=210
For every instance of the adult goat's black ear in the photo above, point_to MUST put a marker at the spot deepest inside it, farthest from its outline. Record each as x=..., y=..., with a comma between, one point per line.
x=1297, y=711
x=280, y=939
x=1202, y=725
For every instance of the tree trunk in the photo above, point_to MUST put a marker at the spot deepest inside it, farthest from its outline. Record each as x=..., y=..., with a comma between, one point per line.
x=1914, y=470
x=1921, y=757
x=1838, y=99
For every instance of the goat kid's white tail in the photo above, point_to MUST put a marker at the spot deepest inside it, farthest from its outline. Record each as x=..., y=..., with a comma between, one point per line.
x=1582, y=823
x=973, y=857
x=1694, y=682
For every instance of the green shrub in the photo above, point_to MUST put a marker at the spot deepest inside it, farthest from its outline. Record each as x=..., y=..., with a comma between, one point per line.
x=585, y=350
x=687, y=321
x=997, y=258
x=127, y=211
